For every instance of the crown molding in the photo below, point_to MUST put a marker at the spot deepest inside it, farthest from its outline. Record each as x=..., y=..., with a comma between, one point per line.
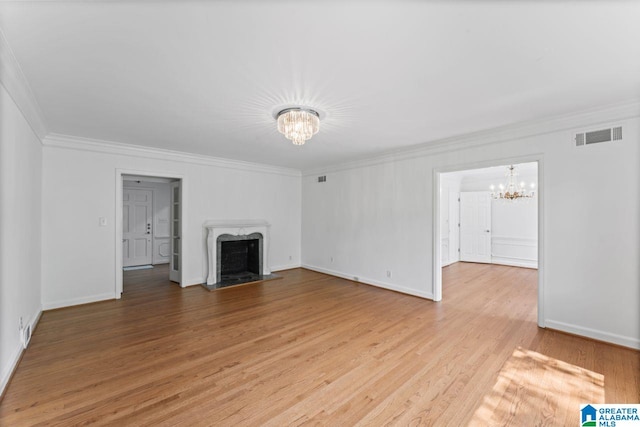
x=130, y=150
x=16, y=84
x=614, y=112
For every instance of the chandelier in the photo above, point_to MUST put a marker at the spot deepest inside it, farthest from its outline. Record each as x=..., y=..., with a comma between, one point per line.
x=512, y=190
x=298, y=124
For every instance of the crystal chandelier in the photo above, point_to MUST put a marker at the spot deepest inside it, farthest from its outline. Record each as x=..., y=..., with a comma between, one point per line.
x=298, y=124
x=512, y=190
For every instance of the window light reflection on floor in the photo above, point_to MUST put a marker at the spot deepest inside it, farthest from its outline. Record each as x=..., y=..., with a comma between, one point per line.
x=534, y=389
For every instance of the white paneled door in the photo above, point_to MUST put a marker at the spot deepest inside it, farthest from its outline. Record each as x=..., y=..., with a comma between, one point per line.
x=475, y=226
x=137, y=215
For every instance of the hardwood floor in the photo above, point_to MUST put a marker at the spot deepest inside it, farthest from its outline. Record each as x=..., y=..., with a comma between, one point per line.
x=314, y=349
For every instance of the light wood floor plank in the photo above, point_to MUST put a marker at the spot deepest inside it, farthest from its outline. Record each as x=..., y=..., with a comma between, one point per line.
x=312, y=349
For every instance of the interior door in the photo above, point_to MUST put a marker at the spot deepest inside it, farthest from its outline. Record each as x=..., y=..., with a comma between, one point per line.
x=176, y=244
x=137, y=215
x=475, y=226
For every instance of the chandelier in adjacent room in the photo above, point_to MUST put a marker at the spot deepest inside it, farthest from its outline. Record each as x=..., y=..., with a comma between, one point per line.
x=512, y=190
x=298, y=124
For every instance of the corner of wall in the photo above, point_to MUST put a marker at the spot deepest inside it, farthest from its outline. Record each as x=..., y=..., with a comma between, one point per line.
x=16, y=84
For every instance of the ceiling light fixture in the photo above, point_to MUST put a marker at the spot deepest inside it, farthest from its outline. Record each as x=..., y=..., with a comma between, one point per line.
x=298, y=124
x=512, y=190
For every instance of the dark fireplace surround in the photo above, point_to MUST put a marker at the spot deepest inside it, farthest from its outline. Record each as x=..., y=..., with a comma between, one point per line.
x=239, y=258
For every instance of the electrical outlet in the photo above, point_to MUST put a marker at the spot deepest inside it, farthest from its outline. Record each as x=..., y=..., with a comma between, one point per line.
x=331, y=259
x=389, y=273
x=102, y=221
x=21, y=324
x=290, y=257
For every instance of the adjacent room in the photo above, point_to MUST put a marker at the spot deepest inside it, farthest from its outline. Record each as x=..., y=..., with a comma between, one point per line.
x=328, y=213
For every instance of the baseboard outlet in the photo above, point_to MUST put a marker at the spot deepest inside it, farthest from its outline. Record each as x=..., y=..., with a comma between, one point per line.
x=77, y=301
x=16, y=356
x=514, y=262
x=595, y=334
x=366, y=281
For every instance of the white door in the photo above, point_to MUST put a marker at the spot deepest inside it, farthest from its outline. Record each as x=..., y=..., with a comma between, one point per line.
x=475, y=226
x=137, y=215
x=176, y=220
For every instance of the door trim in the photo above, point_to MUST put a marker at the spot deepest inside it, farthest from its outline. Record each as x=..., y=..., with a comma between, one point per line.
x=435, y=260
x=118, y=219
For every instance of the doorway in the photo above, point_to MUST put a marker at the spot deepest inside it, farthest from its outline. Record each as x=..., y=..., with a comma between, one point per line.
x=149, y=224
x=466, y=231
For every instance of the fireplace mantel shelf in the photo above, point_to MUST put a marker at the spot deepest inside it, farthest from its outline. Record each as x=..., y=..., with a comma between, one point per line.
x=235, y=223
x=235, y=227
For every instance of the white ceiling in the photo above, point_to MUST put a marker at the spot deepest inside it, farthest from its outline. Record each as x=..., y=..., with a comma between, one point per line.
x=206, y=77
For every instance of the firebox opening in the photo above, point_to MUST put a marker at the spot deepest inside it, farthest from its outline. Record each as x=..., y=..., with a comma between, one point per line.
x=240, y=257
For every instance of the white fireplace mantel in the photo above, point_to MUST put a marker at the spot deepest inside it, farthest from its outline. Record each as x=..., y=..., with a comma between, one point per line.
x=235, y=227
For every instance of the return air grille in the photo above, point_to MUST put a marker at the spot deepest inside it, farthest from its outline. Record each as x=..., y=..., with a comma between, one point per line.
x=617, y=133
x=597, y=136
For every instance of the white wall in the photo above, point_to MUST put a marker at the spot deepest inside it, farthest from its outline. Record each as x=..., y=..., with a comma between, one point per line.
x=79, y=261
x=378, y=216
x=161, y=218
x=20, y=213
x=371, y=220
x=514, y=233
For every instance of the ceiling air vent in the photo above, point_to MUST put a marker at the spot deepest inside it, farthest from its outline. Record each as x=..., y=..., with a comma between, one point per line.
x=597, y=136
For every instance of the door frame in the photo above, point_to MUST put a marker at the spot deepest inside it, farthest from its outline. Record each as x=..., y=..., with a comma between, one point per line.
x=118, y=218
x=437, y=269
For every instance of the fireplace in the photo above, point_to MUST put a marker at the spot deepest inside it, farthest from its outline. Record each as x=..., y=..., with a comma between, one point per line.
x=239, y=258
x=237, y=252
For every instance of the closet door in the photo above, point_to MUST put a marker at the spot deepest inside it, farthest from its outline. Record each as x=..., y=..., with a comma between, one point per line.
x=475, y=226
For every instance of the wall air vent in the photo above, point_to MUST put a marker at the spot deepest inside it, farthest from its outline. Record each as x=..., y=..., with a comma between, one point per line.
x=582, y=139
x=26, y=336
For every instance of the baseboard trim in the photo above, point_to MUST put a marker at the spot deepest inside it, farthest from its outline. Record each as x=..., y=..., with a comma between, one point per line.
x=514, y=262
x=193, y=282
x=595, y=334
x=17, y=357
x=77, y=301
x=8, y=374
x=285, y=267
x=366, y=281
